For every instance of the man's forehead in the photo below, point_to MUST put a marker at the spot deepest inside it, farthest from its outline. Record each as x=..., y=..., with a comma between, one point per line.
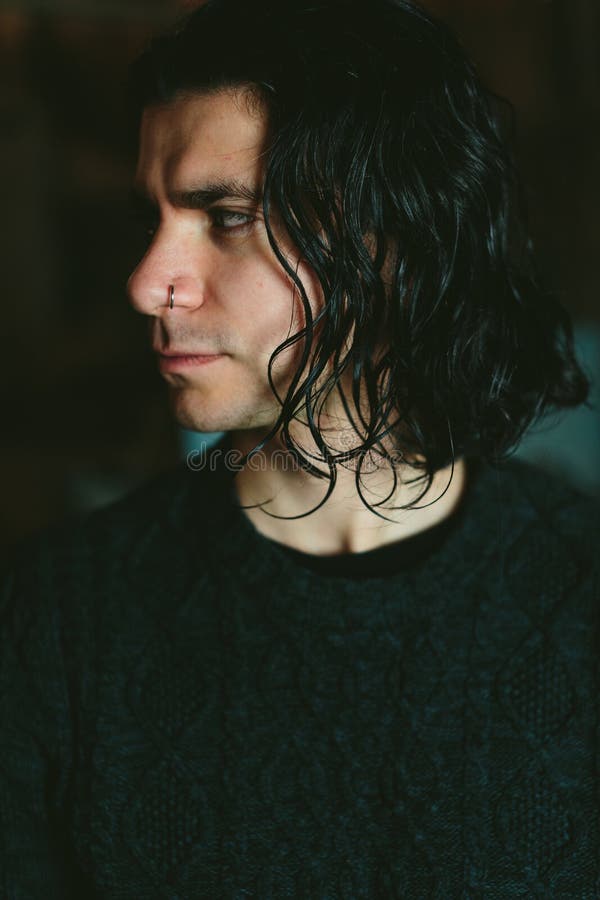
x=213, y=132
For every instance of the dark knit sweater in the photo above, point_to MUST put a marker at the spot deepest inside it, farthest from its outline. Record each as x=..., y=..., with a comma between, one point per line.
x=189, y=710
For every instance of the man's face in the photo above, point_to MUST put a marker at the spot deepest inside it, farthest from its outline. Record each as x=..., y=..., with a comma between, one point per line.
x=231, y=296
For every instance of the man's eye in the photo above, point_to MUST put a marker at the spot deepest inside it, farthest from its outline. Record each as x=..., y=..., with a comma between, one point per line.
x=228, y=220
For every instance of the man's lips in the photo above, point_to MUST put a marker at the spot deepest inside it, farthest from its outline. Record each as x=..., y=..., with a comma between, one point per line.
x=171, y=361
x=186, y=353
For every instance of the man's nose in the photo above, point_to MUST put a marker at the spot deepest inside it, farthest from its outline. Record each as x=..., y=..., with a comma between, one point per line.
x=161, y=284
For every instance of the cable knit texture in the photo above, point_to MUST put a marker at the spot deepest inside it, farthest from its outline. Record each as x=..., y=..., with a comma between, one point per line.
x=188, y=712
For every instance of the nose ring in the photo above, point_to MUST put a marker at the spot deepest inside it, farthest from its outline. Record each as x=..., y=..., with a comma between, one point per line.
x=171, y=295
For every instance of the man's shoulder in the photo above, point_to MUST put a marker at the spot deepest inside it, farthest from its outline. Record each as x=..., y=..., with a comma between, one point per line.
x=157, y=506
x=149, y=500
x=549, y=527
x=551, y=498
x=119, y=567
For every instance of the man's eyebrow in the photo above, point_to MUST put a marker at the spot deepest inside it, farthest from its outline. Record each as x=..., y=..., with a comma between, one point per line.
x=203, y=195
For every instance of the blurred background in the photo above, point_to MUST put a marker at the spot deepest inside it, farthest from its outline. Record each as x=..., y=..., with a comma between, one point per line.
x=84, y=409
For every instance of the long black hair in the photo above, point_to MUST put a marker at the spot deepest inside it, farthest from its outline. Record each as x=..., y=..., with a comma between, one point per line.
x=381, y=128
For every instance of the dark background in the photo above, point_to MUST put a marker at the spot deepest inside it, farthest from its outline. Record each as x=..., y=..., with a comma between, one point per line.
x=84, y=410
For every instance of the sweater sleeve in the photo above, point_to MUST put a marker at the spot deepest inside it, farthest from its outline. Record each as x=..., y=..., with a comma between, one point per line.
x=35, y=737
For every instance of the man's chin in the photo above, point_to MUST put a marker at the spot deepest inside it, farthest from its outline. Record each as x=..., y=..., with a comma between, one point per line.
x=203, y=421
x=193, y=416
x=193, y=419
x=199, y=424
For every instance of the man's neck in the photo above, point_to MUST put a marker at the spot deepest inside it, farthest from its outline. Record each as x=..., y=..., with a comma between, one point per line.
x=343, y=524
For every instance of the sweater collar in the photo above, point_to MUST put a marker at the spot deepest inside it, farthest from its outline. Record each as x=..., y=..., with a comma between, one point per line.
x=205, y=514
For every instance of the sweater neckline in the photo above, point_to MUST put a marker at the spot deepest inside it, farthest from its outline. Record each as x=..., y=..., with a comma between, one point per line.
x=384, y=560
x=388, y=559
x=207, y=513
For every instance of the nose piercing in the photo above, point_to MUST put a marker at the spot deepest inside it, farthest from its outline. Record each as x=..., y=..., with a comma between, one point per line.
x=171, y=295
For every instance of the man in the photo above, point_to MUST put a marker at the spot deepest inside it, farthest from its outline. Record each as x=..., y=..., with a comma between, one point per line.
x=351, y=652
